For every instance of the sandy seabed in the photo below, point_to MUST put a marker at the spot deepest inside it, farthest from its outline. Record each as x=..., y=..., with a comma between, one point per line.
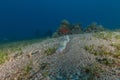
x=74, y=63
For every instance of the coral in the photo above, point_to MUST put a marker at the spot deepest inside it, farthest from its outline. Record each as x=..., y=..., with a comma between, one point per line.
x=67, y=28
x=64, y=30
x=94, y=27
x=76, y=29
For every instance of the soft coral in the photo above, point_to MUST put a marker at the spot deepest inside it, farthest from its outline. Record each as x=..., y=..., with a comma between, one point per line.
x=64, y=30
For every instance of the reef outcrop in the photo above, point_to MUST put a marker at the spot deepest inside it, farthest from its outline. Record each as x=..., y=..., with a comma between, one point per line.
x=94, y=27
x=66, y=28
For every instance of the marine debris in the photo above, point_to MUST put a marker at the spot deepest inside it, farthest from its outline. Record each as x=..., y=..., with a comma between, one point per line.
x=63, y=44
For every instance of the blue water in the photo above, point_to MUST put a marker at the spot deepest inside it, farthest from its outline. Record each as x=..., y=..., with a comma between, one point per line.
x=21, y=19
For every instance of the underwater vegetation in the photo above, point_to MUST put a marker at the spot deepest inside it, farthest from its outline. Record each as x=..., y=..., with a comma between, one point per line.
x=3, y=57
x=87, y=72
x=106, y=55
x=117, y=36
x=25, y=72
x=50, y=51
x=104, y=35
x=99, y=50
x=102, y=50
x=92, y=71
x=106, y=61
x=14, y=49
x=117, y=49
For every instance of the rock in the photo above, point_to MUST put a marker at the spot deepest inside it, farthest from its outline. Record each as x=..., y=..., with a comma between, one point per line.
x=76, y=29
x=94, y=27
x=65, y=22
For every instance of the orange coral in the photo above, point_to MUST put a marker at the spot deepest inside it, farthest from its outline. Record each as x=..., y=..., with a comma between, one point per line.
x=64, y=30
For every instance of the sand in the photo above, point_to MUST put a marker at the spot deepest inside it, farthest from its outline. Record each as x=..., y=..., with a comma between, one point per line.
x=67, y=65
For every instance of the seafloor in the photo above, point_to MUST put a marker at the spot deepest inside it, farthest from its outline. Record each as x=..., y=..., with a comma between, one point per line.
x=88, y=56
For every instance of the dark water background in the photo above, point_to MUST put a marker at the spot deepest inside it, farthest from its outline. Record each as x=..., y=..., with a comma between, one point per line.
x=23, y=19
